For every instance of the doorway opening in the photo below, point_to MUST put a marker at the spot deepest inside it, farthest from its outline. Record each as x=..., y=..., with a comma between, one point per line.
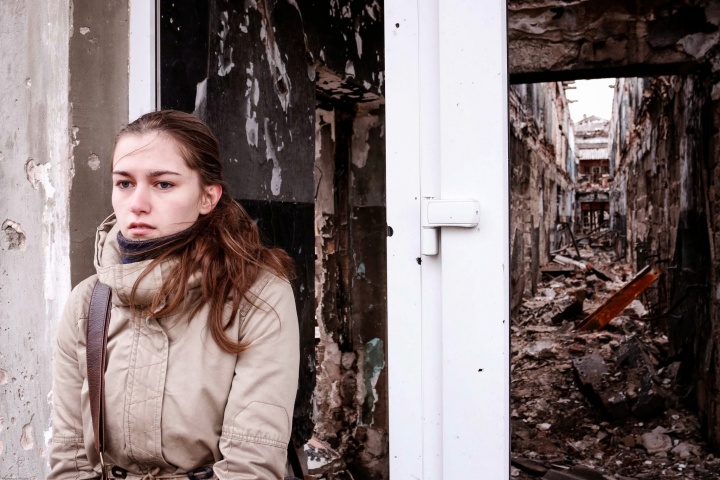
x=608, y=283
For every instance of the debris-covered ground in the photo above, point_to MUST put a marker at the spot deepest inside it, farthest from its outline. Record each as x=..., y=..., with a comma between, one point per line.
x=597, y=404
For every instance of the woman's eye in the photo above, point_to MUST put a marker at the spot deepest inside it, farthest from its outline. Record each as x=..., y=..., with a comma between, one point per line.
x=123, y=184
x=164, y=185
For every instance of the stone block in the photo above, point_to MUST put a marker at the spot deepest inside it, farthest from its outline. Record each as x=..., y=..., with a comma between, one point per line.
x=590, y=370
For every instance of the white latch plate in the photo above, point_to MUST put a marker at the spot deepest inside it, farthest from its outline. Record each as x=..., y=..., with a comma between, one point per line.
x=451, y=213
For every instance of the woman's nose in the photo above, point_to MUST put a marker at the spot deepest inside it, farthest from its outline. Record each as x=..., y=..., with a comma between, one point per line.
x=140, y=201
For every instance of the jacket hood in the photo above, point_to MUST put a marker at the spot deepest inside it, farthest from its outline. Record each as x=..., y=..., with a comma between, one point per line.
x=120, y=276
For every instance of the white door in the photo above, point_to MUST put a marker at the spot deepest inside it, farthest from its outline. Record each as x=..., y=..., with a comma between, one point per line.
x=448, y=314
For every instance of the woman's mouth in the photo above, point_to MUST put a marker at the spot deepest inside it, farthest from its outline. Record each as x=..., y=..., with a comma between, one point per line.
x=139, y=229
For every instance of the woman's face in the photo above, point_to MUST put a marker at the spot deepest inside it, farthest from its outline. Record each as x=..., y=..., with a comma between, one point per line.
x=154, y=192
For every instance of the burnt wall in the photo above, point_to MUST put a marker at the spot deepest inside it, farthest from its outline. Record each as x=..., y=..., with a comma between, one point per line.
x=662, y=158
x=550, y=40
x=542, y=166
x=256, y=72
x=351, y=286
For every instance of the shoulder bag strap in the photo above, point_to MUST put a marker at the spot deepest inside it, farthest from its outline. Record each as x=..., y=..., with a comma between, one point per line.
x=295, y=461
x=96, y=348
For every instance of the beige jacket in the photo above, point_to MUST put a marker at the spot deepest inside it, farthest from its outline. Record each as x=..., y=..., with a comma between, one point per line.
x=174, y=400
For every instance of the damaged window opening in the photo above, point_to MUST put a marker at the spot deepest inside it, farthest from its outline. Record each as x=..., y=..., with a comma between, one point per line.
x=610, y=310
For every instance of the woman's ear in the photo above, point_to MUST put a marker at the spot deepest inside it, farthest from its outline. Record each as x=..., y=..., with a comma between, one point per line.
x=210, y=198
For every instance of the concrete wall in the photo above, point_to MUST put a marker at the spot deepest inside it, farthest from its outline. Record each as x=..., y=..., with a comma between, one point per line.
x=99, y=47
x=36, y=169
x=542, y=163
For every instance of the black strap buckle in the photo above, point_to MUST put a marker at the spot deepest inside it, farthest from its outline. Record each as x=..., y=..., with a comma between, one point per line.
x=200, y=472
x=118, y=472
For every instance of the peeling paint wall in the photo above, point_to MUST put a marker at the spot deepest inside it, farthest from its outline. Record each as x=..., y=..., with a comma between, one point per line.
x=543, y=170
x=36, y=169
x=256, y=72
x=350, y=284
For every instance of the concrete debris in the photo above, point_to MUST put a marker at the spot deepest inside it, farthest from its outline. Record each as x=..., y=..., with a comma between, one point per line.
x=598, y=404
x=685, y=450
x=656, y=441
x=569, y=261
x=590, y=370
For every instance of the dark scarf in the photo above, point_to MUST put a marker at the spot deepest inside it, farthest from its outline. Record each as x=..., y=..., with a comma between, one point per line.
x=132, y=251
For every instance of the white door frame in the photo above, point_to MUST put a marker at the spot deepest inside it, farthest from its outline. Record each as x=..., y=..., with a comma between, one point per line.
x=448, y=317
x=143, y=68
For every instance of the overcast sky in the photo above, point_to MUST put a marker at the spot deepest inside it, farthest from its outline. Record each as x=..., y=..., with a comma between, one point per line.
x=594, y=97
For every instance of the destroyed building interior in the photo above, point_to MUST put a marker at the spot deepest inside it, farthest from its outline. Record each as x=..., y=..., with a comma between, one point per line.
x=614, y=256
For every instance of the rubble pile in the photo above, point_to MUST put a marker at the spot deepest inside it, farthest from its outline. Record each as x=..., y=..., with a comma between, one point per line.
x=598, y=404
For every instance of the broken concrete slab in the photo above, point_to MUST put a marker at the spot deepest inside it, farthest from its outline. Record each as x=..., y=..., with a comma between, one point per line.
x=542, y=349
x=578, y=472
x=656, y=442
x=685, y=450
x=528, y=466
x=569, y=261
x=590, y=370
x=631, y=353
x=554, y=269
x=571, y=306
x=650, y=402
x=616, y=403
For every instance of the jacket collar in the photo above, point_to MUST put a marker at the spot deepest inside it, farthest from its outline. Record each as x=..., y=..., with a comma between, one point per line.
x=121, y=277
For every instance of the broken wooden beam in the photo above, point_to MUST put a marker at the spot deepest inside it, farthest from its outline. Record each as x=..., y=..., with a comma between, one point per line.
x=569, y=261
x=614, y=305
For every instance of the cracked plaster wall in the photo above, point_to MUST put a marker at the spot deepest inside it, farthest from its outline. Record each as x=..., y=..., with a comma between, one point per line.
x=542, y=160
x=36, y=169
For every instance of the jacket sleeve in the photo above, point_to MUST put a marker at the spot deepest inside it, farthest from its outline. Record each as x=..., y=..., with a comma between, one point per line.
x=68, y=458
x=258, y=416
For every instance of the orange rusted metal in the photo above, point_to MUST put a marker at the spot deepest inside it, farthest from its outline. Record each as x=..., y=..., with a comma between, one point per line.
x=614, y=305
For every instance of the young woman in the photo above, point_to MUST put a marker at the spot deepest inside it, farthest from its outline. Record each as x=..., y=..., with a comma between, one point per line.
x=203, y=349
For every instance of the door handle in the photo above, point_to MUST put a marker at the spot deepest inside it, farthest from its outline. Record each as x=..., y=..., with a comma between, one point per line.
x=436, y=213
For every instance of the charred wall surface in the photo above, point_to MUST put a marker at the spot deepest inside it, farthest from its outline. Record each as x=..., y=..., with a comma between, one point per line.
x=551, y=40
x=257, y=73
x=351, y=286
x=542, y=174
x=662, y=151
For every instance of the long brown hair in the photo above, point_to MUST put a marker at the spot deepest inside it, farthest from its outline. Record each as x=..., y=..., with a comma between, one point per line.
x=223, y=246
